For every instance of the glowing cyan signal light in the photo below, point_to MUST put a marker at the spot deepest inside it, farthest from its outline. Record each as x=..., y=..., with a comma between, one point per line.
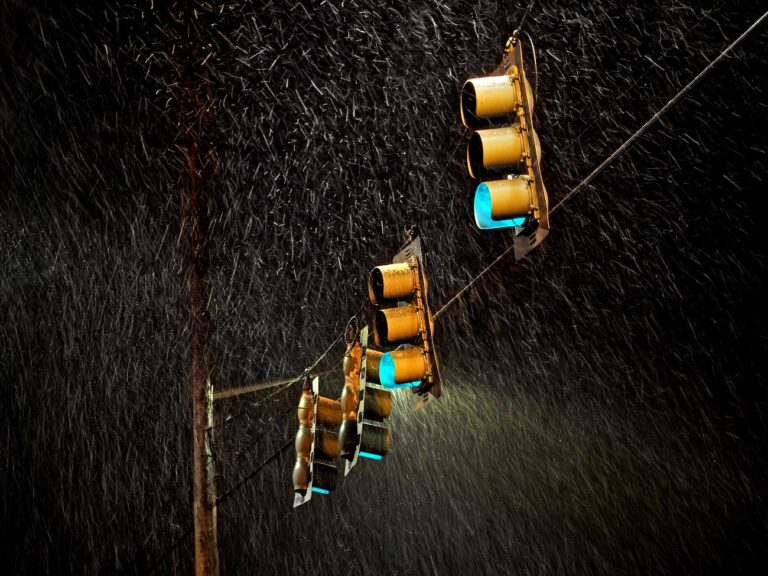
x=483, y=217
x=406, y=367
x=403, y=385
x=387, y=370
x=370, y=455
x=387, y=374
x=320, y=490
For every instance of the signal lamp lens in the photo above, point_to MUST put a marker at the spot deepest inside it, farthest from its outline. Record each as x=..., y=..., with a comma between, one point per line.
x=348, y=439
x=507, y=200
x=395, y=325
x=375, y=441
x=494, y=148
x=402, y=367
x=390, y=281
x=370, y=456
x=301, y=476
x=403, y=385
x=325, y=478
x=487, y=98
x=372, y=361
x=387, y=370
x=378, y=403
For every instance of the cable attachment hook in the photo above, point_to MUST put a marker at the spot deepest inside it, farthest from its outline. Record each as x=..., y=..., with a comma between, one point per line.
x=410, y=233
x=352, y=330
x=307, y=377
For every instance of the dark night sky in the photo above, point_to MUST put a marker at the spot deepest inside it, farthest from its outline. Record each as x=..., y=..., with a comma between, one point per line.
x=605, y=401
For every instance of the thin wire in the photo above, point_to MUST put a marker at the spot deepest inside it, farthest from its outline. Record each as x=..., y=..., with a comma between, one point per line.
x=283, y=388
x=227, y=421
x=611, y=110
x=190, y=529
x=282, y=383
x=535, y=69
x=472, y=282
x=239, y=391
x=657, y=116
x=255, y=471
x=618, y=152
x=522, y=21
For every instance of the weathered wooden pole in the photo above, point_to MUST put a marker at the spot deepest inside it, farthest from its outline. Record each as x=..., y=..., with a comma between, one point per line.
x=204, y=507
x=199, y=168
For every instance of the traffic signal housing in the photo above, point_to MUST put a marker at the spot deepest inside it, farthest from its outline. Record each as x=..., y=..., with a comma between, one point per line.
x=317, y=444
x=403, y=321
x=365, y=406
x=504, y=152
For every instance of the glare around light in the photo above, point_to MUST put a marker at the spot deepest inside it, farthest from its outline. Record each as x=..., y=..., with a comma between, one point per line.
x=483, y=217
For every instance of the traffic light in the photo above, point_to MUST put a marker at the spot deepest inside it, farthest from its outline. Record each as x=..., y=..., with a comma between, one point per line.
x=316, y=448
x=504, y=151
x=365, y=406
x=403, y=320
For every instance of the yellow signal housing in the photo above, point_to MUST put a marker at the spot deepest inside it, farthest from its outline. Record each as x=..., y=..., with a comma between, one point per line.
x=349, y=394
x=397, y=281
x=410, y=365
x=304, y=439
x=512, y=198
x=328, y=412
x=350, y=400
x=487, y=98
x=406, y=323
x=495, y=148
x=392, y=281
x=316, y=448
x=490, y=97
x=504, y=101
x=396, y=324
x=378, y=404
x=372, y=361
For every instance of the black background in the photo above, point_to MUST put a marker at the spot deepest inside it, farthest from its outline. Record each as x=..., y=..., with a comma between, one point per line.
x=605, y=399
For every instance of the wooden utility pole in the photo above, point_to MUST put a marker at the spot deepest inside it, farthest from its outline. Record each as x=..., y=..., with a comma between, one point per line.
x=199, y=168
x=204, y=507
